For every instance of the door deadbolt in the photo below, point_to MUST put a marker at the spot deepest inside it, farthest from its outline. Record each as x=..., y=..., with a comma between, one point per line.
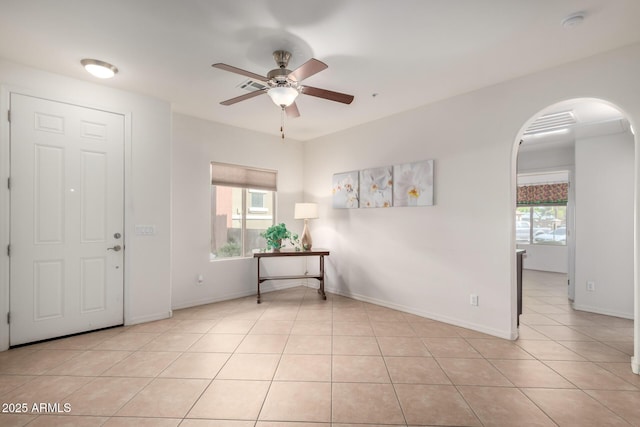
x=116, y=248
x=117, y=236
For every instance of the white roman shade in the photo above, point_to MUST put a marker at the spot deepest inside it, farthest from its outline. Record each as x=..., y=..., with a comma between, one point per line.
x=243, y=177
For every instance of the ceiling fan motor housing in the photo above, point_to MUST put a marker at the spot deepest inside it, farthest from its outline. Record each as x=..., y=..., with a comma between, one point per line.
x=279, y=75
x=282, y=58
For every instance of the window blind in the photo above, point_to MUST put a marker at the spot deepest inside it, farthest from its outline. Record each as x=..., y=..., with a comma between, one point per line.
x=243, y=177
x=543, y=194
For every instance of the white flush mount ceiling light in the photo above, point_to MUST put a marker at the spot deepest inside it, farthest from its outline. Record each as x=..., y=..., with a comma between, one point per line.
x=100, y=69
x=573, y=20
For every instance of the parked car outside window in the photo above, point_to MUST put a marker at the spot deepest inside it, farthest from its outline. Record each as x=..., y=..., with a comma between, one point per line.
x=557, y=236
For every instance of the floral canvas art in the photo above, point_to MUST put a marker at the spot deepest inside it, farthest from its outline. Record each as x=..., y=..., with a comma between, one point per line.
x=413, y=184
x=376, y=187
x=345, y=190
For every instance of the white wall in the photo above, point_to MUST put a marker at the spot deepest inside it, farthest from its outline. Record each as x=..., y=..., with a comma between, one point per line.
x=147, y=184
x=196, y=143
x=548, y=160
x=429, y=260
x=604, y=224
x=552, y=258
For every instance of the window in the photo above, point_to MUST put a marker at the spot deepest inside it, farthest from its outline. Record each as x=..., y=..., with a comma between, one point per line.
x=243, y=204
x=541, y=225
x=257, y=201
x=541, y=214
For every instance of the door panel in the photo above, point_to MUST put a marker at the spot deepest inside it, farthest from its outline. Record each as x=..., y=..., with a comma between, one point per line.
x=48, y=289
x=93, y=197
x=49, y=194
x=67, y=203
x=92, y=284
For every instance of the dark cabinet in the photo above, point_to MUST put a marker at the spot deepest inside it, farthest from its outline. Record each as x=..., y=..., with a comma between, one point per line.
x=519, y=254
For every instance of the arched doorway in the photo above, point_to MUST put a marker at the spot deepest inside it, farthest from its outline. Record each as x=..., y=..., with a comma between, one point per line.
x=587, y=238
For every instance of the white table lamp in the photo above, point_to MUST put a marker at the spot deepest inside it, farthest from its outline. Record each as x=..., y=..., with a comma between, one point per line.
x=306, y=211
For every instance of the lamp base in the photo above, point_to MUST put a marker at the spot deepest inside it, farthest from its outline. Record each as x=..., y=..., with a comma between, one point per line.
x=306, y=237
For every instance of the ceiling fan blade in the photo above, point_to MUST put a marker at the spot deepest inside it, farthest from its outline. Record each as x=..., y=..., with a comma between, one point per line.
x=240, y=71
x=292, y=110
x=327, y=94
x=307, y=69
x=243, y=97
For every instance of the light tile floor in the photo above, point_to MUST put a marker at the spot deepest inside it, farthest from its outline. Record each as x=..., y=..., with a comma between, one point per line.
x=296, y=360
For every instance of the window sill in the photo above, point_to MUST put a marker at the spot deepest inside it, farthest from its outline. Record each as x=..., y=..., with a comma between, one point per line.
x=213, y=258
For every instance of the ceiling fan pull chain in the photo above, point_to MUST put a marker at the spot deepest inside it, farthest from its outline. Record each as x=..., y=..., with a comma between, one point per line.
x=282, y=122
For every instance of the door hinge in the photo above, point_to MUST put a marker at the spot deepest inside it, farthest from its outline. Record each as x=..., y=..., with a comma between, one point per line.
x=9, y=250
x=9, y=115
x=9, y=317
x=9, y=183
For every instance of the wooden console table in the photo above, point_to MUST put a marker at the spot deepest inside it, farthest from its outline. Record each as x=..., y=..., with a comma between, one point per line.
x=288, y=253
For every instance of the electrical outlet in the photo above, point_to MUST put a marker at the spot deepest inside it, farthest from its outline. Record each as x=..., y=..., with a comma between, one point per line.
x=473, y=299
x=591, y=286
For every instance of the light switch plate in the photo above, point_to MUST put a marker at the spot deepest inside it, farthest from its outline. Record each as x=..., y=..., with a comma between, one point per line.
x=145, y=230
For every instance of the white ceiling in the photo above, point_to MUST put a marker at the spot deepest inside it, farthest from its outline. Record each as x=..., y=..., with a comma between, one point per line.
x=409, y=52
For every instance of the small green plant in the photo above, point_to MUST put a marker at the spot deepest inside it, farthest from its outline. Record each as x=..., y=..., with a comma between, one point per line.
x=276, y=235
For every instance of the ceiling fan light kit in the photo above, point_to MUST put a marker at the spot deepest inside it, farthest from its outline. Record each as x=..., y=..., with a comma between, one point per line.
x=283, y=95
x=284, y=84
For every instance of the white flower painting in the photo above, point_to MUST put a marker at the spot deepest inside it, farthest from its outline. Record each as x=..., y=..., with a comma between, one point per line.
x=345, y=190
x=376, y=187
x=413, y=184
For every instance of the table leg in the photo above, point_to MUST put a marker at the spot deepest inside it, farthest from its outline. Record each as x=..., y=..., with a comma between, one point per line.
x=321, y=290
x=258, y=281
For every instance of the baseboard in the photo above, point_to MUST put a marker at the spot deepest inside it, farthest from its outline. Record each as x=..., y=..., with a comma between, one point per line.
x=264, y=289
x=147, y=318
x=432, y=316
x=601, y=311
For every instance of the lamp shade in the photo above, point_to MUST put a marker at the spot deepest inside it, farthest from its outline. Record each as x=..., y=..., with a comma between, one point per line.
x=305, y=211
x=283, y=95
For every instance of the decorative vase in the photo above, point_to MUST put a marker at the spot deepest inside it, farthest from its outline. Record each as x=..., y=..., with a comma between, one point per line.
x=278, y=245
x=306, y=237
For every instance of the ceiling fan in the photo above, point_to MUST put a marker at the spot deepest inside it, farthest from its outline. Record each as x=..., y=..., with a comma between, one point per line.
x=284, y=85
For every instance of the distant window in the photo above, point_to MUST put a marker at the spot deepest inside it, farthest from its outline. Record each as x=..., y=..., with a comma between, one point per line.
x=541, y=213
x=243, y=204
x=541, y=225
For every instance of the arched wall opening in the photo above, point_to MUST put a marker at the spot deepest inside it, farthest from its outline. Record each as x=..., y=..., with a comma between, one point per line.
x=593, y=240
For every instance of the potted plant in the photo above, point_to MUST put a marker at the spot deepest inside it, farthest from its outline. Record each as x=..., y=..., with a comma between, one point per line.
x=277, y=234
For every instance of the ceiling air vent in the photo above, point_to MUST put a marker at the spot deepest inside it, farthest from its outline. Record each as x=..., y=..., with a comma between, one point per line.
x=252, y=85
x=551, y=122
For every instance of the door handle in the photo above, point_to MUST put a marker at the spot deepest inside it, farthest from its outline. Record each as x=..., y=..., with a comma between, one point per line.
x=116, y=248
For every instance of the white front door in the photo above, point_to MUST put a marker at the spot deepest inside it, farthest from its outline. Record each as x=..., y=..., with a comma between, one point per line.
x=67, y=208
